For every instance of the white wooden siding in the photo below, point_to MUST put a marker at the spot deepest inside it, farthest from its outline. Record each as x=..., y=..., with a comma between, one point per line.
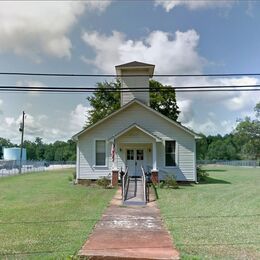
x=135, y=82
x=135, y=136
x=152, y=123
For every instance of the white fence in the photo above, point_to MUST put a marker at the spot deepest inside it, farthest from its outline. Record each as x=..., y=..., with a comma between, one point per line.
x=8, y=168
x=245, y=163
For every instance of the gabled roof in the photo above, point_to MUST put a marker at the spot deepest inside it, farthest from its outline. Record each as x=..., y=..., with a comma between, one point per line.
x=157, y=139
x=135, y=64
x=143, y=105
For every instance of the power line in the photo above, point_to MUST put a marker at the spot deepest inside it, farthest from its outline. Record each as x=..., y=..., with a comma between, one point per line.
x=115, y=76
x=126, y=89
x=55, y=89
x=91, y=91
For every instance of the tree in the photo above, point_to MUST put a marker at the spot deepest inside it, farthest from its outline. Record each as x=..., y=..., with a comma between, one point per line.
x=202, y=147
x=222, y=149
x=4, y=143
x=247, y=135
x=39, y=148
x=163, y=100
x=257, y=110
x=30, y=150
x=104, y=101
x=49, y=152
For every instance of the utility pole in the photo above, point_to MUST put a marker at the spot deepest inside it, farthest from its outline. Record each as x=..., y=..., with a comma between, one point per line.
x=21, y=129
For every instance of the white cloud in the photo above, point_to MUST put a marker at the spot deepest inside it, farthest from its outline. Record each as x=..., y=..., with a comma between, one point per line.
x=212, y=126
x=168, y=5
x=178, y=51
x=211, y=114
x=34, y=126
x=235, y=104
x=241, y=100
x=250, y=8
x=1, y=103
x=232, y=100
x=33, y=28
x=9, y=121
x=78, y=118
x=180, y=56
x=32, y=84
x=186, y=115
x=46, y=126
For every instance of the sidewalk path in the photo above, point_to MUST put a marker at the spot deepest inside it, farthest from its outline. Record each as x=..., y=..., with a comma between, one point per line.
x=135, y=232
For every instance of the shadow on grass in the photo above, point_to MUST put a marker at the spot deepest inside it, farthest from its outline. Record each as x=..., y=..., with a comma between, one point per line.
x=185, y=184
x=209, y=180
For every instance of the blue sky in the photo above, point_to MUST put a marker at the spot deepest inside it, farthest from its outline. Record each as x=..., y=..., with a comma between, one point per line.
x=93, y=36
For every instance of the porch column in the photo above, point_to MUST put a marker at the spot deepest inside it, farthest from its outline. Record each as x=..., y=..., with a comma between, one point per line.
x=114, y=179
x=154, y=172
x=154, y=157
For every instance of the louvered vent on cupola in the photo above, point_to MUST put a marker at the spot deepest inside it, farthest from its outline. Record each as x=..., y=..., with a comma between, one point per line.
x=134, y=75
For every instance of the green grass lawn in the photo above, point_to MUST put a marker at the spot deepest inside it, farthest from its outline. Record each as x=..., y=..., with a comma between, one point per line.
x=44, y=216
x=216, y=220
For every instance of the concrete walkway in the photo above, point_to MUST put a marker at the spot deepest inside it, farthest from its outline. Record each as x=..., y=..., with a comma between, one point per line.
x=132, y=232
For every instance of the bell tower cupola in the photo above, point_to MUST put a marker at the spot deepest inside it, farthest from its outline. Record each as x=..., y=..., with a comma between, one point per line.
x=135, y=75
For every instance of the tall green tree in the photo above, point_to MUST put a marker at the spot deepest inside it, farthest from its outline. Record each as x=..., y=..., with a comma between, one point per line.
x=163, y=100
x=40, y=147
x=202, y=147
x=57, y=151
x=104, y=101
x=4, y=143
x=30, y=149
x=247, y=135
x=222, y=149
x=257, y=110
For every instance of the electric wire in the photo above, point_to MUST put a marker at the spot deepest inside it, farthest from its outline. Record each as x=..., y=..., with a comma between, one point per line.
x=62, y=89
x=116, y=76
x=165, y=88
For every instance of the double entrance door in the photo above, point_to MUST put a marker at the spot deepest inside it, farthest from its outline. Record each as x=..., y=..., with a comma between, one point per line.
x=134, y=161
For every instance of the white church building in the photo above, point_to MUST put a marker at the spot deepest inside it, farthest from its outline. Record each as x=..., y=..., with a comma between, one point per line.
x=140, y=136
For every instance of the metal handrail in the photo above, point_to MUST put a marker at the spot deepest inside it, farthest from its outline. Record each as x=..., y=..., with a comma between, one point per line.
x=144, y=183
x=124, y=181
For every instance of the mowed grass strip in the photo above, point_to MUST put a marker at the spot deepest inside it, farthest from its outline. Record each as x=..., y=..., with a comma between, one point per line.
x=219, y=219
x=44, y=216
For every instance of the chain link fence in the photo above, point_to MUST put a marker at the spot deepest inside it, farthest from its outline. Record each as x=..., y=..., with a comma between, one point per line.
x=244, y=163
x=8, y=168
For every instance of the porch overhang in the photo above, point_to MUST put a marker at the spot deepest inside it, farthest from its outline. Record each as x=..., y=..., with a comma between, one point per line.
x=135, y=126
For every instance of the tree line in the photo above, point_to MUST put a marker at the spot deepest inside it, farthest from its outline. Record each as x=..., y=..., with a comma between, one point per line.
x=38, y=150
x=242, y=144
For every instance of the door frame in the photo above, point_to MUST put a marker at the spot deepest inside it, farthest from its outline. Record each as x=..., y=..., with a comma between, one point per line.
x=136, y=147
